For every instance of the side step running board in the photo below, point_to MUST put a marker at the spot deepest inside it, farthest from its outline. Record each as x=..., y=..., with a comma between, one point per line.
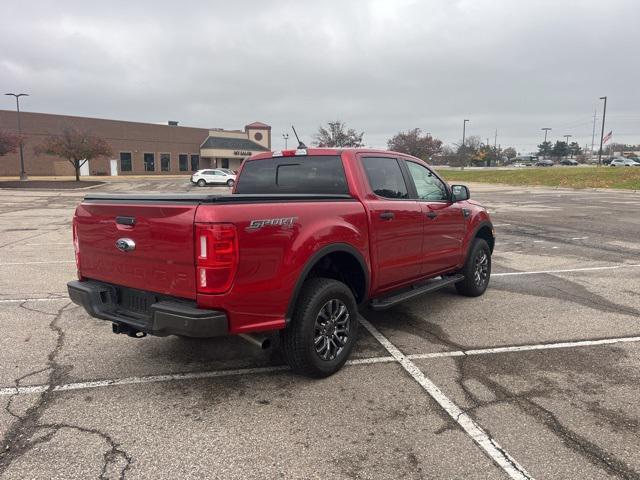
x=414, y=291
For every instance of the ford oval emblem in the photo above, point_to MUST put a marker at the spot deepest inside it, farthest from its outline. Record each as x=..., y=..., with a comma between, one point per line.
x=125, y=245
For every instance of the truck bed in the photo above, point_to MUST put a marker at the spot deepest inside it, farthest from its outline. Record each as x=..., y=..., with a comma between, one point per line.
x=204, y=198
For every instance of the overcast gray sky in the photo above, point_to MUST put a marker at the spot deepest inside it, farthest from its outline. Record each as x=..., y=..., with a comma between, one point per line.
x=381, y=66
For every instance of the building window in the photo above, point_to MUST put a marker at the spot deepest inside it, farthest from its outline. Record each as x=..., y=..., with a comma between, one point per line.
x=195, y=162
x=149, y=162
x=183, y=161
x=258, y=136
x=125, y=162
x=225, y=163
x=165, y=162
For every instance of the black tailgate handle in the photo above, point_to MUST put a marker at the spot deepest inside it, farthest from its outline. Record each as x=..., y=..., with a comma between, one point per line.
x=126, y=221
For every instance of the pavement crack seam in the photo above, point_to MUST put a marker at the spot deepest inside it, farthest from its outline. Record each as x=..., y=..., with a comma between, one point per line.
x=18, y=380
x=588, y=449
x=469, y=426
x=594, y=454
x=32, y=237
x=18, y=440
x=608, y=305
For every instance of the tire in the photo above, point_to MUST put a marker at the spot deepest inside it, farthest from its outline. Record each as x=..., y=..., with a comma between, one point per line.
x=308, y=327
x=202, y=183
x=476, y=270
x=230, y=183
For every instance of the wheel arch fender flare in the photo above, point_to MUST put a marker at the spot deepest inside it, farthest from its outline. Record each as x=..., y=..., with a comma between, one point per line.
x=483, y=224
x=313, y=261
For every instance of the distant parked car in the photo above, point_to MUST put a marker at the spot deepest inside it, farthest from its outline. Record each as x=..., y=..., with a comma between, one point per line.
x=568, y=161
x=216, y=176
x=544, y=163
x=624, y=162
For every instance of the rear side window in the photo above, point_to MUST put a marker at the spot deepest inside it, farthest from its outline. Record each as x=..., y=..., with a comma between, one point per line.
x=313, y=174
x=385, y=177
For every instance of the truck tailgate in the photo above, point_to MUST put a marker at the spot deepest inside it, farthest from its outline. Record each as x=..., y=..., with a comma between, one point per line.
x=162, y=259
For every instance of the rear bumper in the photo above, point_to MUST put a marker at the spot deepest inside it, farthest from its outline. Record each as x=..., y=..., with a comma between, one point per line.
x=161, y=316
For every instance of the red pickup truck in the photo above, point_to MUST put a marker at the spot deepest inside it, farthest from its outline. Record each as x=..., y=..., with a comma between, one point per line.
x=307, y=237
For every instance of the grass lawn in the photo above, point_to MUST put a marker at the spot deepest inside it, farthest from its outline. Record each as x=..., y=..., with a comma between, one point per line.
x=573, y=177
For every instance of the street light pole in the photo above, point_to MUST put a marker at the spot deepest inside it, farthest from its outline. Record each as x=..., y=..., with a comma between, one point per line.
x=23, y=175
x=567, y=142
x=464, y=130
x=286, y=138
x=604, y=112
x=546, y=130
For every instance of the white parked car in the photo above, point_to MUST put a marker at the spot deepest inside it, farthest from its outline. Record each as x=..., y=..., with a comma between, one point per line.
x=214, y=176
x=623, y=162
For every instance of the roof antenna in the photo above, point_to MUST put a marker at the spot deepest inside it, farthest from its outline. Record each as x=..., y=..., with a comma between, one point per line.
x=300, y=144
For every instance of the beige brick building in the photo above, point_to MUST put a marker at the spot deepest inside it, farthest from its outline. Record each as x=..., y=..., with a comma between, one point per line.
x=138, y=148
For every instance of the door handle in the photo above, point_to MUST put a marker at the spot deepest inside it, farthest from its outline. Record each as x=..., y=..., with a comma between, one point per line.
x=387, y=215
x=431, y=215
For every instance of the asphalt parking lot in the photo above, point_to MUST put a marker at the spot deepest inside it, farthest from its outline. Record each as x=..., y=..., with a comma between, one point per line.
x=539, y=378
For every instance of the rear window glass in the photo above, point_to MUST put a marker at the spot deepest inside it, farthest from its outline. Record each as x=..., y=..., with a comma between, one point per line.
x=322, y=174
x=385, y=177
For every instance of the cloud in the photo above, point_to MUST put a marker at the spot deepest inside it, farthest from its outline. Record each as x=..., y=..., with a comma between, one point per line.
x=380, y=66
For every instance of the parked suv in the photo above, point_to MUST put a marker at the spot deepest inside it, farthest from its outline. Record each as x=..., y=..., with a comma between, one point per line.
x=623, y=162
x=218, y=176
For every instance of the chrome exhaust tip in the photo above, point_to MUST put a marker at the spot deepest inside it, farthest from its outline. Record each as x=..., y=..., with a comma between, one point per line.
x=258, y=341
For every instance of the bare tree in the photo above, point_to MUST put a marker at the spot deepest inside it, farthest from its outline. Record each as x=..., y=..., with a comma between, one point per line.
x=510, y=152
x=446, y=156
x=416, y=144
x=467, y=151
x=77, y=146
x=338, y=135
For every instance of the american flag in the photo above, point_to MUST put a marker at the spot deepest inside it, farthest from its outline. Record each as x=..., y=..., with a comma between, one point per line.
x=607, y=137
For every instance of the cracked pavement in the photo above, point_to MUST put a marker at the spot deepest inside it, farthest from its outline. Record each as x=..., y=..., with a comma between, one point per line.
x=560, y=413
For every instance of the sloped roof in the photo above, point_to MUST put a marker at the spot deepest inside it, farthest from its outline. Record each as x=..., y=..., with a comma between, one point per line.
x=258, y=125
x=225, y=143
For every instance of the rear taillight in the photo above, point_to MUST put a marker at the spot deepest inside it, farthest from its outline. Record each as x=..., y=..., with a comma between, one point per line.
x=76, y=244
x=216, y=246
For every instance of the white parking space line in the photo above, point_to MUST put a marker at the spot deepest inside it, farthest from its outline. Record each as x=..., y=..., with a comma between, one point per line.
x=173, y=377
x=567, y=270
x=22, y=300
x=49, y=243
x=524, y=348
x=249, y=371
x=501, y=224
x=579, y=238
x=477, y=434
x=37, y=263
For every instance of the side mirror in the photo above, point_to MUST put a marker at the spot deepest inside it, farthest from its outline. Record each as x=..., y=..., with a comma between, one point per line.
x=459, y=193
